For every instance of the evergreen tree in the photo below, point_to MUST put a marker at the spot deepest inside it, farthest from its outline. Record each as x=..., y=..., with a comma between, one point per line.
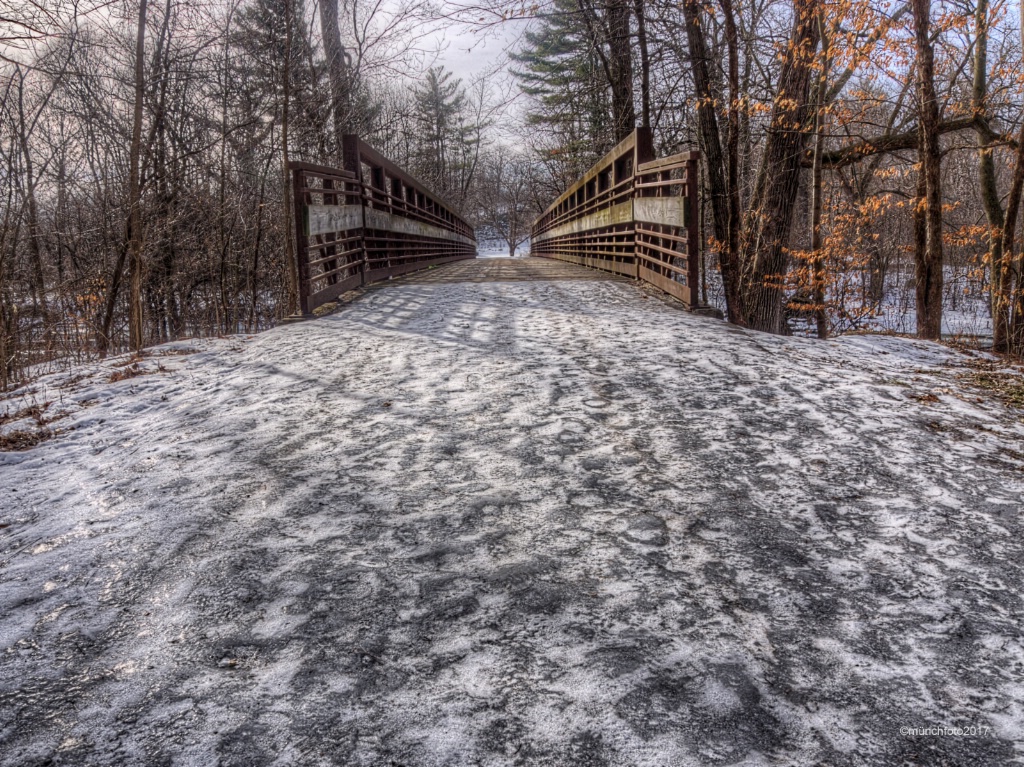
x=559, y=66
x=259, y=37
x=448, y=142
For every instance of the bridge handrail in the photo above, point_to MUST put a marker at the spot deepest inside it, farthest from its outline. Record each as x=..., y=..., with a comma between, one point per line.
x=366, y=222
x=630, y=214
x=425, y=206
x=597, y=183
x=666, y=232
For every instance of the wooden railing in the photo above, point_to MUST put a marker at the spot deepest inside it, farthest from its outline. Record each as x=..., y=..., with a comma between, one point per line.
x=366, y=222
x=630, y=214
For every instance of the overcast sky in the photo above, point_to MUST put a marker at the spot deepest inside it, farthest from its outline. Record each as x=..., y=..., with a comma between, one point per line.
x=469, y=53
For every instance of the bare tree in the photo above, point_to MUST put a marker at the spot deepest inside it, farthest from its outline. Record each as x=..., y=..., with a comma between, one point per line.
x=507, y=206
x=137, y=331
x=929, y=260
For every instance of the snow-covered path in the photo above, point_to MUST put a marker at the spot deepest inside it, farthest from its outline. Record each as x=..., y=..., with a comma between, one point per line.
x=515, y=523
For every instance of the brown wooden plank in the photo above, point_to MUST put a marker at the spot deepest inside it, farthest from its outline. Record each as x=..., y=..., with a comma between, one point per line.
x=673, y=288
x=665, y=163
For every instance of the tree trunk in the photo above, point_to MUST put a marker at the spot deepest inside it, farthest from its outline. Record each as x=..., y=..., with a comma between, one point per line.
x=732, y=153
x=1013, y=285
x=817, y=189
x=1015, y=292
x=35, y=247
x=711, y=147
x=645, y=63
x=620, y=64
x=337, y=72
x=989, y=190
x=770, y=216
x=292, y=268
x=7, y=322
x=929, y=264
x=920, y=224
x=4, y=355
x=135, y=326
x=229, y=305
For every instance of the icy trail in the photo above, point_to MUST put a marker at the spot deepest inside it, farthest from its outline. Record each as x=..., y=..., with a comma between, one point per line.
x=515, y=523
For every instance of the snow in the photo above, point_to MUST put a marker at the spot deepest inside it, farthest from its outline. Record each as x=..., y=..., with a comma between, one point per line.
x=555, y=522
x=966, y=314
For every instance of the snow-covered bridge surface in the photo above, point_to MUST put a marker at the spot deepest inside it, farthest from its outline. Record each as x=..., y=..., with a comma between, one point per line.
x=515, y=523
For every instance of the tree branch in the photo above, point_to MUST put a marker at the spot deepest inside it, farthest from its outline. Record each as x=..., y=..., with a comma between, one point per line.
x=894, y=142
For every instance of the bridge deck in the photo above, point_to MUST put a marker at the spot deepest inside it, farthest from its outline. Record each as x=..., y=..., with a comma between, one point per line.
x=545, y=522
x=508, y=270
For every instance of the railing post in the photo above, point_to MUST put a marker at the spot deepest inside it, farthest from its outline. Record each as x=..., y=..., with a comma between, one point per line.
x=350, y=161
x=643, y=151
x=350, y=154
x=301, y=238
x=329, y=247
x=644, y=147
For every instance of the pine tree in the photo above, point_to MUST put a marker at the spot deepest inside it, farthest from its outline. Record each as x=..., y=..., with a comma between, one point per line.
x=444, y=157
x=260, y=38
x=560, y=68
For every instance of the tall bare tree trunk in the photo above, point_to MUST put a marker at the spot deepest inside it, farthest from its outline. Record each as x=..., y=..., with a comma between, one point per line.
x=7, y=323
x=770, y=216
x=228, y=305
x=929, y=264
x=724, y=215
x=920, y=220
x=35, y=246
x=645, y=63
x=989, y=190
x=1015, y=297
x=620, y=63
x=337, y=72
x=1013, y=286
x=292, y=304
x=135, y=319
x=817, y=190
x=1016, y=292
x=732, y=154
x=4, y=355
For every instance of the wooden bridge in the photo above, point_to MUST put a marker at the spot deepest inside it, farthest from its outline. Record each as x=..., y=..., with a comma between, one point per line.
x=367, y=222
x=630, y=215
x=633, y=215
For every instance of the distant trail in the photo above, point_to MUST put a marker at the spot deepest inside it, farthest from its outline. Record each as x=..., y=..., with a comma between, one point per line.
x=479, y=518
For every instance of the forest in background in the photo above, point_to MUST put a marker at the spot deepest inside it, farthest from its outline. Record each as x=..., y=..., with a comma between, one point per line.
x=855, y=153
x=860, y=158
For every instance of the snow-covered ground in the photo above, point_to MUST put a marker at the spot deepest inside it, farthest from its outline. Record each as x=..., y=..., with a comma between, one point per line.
x=966, y=315
x=520, y=523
